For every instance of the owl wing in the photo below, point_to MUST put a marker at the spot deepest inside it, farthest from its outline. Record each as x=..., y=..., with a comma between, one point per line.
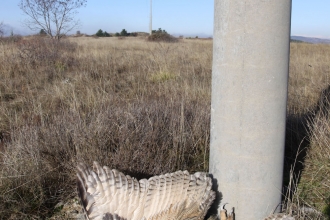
x=109, y=194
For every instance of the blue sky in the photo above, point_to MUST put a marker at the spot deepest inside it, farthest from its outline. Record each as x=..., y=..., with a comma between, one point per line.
x=186, y=17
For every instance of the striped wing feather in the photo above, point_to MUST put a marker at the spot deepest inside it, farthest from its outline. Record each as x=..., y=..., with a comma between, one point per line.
x=109, y=194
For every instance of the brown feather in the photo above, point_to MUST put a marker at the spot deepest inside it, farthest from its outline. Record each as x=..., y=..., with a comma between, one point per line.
x=109, y=194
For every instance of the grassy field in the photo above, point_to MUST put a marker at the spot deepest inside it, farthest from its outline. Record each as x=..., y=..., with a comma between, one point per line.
x=137, y=106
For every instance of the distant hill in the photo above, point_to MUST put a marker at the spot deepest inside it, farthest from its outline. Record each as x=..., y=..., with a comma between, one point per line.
x=311, y=40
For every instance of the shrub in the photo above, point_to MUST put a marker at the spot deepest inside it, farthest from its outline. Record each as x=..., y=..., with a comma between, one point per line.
x=11, y=39
x=161, y=36
x=159, y=31
x=99, y=33
x=42, y=32
x=45, y=52
x=123, y=33
x=106, y=34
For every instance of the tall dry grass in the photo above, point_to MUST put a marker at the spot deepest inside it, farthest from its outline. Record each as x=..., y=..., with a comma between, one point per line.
x=308, y=133
x=138, y=106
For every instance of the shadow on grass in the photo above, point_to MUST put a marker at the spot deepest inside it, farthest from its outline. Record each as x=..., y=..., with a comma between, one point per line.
x=296, y=146
x=300, y=132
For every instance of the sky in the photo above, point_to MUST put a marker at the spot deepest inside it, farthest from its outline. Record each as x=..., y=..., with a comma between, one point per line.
x=310, y=18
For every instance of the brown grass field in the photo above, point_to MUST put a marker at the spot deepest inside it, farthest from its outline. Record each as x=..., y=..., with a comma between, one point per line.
x=140, y=107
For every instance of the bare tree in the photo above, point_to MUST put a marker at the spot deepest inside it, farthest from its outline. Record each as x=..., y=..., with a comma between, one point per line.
x=55, y=17
x=1, y=29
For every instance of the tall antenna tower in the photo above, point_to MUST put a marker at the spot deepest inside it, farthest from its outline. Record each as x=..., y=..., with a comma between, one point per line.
x=150, y=24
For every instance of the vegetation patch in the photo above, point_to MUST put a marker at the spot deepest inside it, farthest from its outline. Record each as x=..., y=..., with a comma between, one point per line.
x=162, y=76
x=161, y=35
x=112, y=101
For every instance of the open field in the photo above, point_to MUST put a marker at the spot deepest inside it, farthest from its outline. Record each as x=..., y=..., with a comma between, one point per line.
x=137, y=106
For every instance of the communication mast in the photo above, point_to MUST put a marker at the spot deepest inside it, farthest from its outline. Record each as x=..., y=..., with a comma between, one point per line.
x=150, y=24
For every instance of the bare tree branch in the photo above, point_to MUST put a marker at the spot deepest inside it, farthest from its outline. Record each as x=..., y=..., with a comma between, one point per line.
x=55, y=17
x=1, y=29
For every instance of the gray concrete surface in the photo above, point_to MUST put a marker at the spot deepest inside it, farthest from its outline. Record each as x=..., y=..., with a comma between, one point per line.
x=249, y=94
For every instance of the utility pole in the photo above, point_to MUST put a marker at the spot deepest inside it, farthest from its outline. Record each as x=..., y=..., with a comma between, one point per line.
x=150, y=23
x=248, y=111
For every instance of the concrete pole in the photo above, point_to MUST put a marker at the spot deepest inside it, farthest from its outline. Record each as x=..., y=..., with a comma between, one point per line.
x=248, y=110
x=150, y=22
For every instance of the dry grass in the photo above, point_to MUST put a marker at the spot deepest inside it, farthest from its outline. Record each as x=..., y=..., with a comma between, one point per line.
x=309, y=75
x=308, y=133
x=140, y=107
x=137, y=106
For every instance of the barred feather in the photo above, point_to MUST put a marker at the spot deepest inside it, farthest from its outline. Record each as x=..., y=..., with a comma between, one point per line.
x=109, y=194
